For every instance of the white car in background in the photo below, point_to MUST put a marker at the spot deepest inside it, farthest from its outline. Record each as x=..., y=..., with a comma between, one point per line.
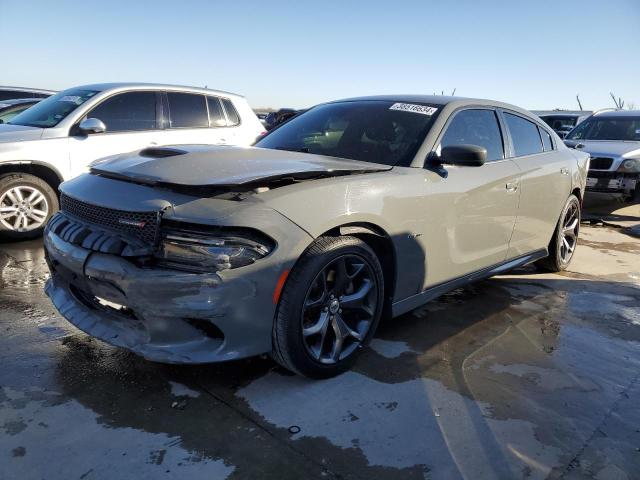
x=59, y=137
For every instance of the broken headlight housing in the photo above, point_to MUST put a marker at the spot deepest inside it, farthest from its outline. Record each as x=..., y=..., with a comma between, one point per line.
x=204, y=252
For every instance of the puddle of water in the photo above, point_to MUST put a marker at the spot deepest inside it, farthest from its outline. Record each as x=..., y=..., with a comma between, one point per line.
x=417, y=422
x=78, y=435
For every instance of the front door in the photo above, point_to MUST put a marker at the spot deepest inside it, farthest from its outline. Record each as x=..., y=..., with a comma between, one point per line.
x=470, y=212
x=132, y=123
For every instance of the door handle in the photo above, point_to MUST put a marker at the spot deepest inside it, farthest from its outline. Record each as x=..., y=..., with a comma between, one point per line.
x=153, y=144
x=512, y=186
x=564, y=171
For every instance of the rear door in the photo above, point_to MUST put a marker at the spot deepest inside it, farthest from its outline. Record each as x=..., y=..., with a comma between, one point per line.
x=544, y=184
x=132, y=120
x=471, y=210
x=193, y=118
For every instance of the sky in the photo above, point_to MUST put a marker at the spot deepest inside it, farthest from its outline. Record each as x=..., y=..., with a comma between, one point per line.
x=535, y=54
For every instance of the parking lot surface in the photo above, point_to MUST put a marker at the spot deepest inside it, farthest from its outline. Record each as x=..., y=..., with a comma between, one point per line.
x=524, y=375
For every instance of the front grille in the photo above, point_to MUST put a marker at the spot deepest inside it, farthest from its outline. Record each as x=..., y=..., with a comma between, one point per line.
x=141, y=225
x=600, y=163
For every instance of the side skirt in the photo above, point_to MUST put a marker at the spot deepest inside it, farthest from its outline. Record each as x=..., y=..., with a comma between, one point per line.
x=415, y=301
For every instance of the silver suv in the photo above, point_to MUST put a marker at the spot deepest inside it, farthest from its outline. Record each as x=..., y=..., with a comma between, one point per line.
x=613, y=140
x=59, y=137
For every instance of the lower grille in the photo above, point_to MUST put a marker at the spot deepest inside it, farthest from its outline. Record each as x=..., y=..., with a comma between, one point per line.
x=141, y=225
x=600, y=163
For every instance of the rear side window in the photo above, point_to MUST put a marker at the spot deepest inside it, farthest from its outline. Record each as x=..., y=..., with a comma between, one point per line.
x=216, y=115
x=127, y=112
x=475, y=127
x=546, y=139
x=524, y=134
x=187, y=110
x=232, y=114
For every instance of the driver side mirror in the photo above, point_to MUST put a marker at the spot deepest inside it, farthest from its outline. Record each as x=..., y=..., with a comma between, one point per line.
x=464, y=155
x=92, y=125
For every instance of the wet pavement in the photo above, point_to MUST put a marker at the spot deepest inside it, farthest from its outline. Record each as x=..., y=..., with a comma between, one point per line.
x=521, y=376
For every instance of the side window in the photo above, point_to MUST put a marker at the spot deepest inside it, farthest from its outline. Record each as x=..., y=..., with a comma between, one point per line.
x=546, y=140
x=475, y=127
x=127, y=112
x=232, y=114
x=524, y=134
x=216, y=115
x=187, y=110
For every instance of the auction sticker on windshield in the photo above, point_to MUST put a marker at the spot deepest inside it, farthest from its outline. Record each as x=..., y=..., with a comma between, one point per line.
x=410, y=107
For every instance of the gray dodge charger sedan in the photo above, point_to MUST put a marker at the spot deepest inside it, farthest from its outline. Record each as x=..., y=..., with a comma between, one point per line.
x=354, y=210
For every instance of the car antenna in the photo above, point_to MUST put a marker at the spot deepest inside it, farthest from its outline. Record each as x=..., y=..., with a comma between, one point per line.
x=579, y=103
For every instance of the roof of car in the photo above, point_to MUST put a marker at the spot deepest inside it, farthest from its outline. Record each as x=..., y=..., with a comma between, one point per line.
x=27, y=89
x=155, y=86
x=563, y=114
x=437, y=100
x=430, y=99
x=618, y=113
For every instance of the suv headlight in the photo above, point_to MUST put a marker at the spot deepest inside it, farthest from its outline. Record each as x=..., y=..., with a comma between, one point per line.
x=630, y=165
x=201, y=252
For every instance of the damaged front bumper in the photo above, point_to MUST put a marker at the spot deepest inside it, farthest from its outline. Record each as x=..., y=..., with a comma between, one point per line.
x=164, y=315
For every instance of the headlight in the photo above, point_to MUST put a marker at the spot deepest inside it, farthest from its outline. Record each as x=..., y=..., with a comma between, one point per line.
x=210, y=253
x=630, y=165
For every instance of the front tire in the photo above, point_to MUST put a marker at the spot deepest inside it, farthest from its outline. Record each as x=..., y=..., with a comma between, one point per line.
x=565, y=238
x=26, y=204
x=330, y=307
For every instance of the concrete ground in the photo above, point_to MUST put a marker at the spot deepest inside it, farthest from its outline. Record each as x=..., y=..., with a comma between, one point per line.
x=520, y=376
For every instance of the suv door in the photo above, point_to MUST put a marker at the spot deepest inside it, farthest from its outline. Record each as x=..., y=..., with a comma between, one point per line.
x=545, y=183
x=471, y=210
x=132, y=121
x=195, y=118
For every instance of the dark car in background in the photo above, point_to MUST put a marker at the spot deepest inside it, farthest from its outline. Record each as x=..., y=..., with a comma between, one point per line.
x=11, y=108
x=10, y=93
x=279, y=117
x=612, y=138
x=563, y=122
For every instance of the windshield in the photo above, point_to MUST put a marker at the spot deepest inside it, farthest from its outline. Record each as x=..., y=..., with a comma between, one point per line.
x=612, y=128
x=51, y=111
x=374, y=131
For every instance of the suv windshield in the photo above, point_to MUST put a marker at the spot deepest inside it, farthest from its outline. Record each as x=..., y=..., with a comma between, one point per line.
x=48, y=113
x=611, y=128
x=374, y=131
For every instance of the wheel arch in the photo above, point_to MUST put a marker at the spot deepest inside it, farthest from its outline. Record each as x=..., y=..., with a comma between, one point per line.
x=578, y=193
x=47, y=173
x=382, y=245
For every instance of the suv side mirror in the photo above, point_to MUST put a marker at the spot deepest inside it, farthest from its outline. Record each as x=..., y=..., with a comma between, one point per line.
x=92, y=125
x=464, y=155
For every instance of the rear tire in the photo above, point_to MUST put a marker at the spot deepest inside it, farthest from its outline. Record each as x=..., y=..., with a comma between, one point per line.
x=564, y=240
x=27, y=203
x=329, y=309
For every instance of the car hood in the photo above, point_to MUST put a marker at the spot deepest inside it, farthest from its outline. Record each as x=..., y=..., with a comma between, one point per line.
x=19, y=133
x=221, y=166
x=603, y=148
